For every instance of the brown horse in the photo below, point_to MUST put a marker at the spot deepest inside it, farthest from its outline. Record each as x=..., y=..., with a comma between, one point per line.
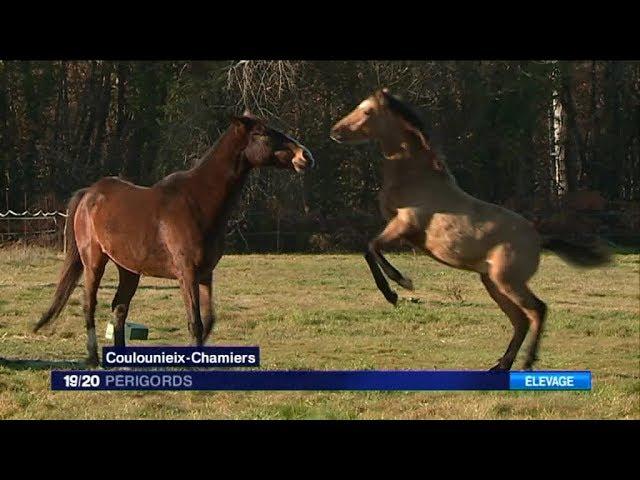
x=424, y=206
x=174, y=229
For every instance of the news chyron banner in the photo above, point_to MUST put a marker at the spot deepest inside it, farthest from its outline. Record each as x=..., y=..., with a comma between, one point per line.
x=180, y=357
x=214, y=368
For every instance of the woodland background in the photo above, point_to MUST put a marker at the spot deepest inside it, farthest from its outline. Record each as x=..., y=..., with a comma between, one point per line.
x=558, y=141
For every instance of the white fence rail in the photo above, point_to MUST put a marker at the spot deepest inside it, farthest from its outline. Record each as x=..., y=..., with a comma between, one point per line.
x=7, y=218
x=26, y=214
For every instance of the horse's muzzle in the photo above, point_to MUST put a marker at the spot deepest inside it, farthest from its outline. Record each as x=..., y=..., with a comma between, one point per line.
x=303, y=161
x=335, y=135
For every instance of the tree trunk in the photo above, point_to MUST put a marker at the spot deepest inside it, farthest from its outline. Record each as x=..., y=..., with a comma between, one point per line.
x=102, y=112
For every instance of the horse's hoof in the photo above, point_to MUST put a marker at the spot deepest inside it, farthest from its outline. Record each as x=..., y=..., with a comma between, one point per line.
x=498, y=368
x=528, y=364
x=92, y=362
x=392, y=298
x=406, y=283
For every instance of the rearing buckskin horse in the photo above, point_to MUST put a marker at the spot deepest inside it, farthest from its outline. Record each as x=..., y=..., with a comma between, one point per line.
x=174, y=229
x=424, y=206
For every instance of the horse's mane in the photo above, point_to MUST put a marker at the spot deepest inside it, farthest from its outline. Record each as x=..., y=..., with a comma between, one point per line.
x=210, y=151
x=205, y=156
x=408, y=113
x=414, y=120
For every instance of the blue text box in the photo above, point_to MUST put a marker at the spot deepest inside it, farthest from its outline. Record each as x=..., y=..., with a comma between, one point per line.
x=388, y=380
x=554, y=380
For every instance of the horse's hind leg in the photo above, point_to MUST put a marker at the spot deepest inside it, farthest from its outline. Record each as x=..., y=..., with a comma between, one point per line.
x=537, y=316
x=395, y=230
x=208, y=314
x=518, y=319
x=94, y=262
x=127, y=286
x=533, y=308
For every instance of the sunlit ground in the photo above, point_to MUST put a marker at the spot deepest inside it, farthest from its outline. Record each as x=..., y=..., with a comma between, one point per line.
x=324, y=312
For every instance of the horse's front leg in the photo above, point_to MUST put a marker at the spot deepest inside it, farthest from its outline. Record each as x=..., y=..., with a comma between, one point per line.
x=381, y=282
x=394, y=231
x=191, y=296
x=206, y=303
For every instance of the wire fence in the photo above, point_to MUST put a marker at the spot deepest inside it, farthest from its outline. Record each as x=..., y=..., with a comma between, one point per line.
x=619, y=225
x=46, y=227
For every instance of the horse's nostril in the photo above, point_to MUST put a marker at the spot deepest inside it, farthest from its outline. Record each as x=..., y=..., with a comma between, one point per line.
x=311, y=162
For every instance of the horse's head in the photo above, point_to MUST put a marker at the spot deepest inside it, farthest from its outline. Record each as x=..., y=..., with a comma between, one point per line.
x=383, y=115
x=365, y=121
x=267, y=146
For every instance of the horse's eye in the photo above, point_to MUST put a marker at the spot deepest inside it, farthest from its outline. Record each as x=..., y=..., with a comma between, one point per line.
x=368, y=111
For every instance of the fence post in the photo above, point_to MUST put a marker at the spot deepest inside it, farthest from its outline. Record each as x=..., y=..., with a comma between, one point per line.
x=278, y=234
x=64, y=234
x=24, y=223
x=6, y=193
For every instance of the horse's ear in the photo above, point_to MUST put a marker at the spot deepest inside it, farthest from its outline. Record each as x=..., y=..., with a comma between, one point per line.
x=242, y=121
x=247, y=113
x=381, y=96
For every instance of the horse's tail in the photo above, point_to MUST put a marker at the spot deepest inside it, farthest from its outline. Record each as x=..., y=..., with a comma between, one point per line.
x=585, y=252
x=71, y=269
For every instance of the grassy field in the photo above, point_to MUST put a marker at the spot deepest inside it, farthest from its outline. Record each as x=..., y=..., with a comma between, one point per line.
x=324, y=312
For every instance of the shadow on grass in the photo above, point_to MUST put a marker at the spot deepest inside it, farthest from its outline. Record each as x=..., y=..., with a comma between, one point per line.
x=110, y=286
x=626, y=250
x=106, y=286
x=31, y=364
